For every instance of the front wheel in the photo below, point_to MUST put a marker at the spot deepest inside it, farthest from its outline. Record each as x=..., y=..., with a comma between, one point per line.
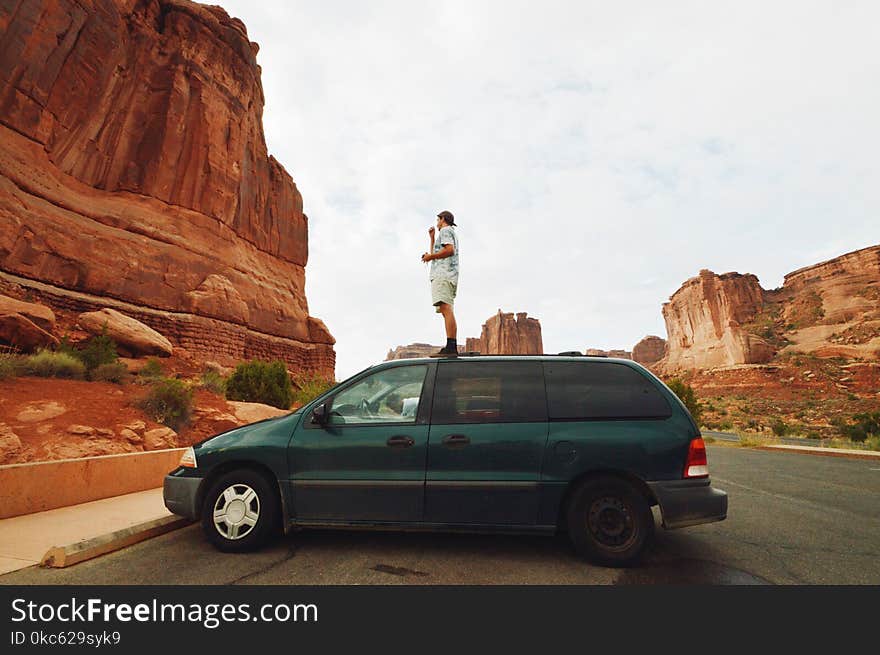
x=240, y=511
x=609, y=521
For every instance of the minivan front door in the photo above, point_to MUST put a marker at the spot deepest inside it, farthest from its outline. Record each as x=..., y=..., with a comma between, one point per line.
x=367, y=462
x=488, y=433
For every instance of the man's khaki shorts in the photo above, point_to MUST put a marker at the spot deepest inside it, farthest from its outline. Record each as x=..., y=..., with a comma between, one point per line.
x=442, y=290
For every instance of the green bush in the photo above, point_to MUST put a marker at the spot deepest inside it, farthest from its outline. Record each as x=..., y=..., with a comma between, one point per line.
x=214, y=382
x=686, y=394
x=48, y=364
x=114, y=372
x=97, y=351
x=10, y=366
x=779, y=427
x=152, y=369
x=309, y=387
x=169, y=402
x=865, y=426
x=261, y=382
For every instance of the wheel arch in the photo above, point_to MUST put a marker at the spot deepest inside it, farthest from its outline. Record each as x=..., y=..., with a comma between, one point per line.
x=636, y=482
x=234, y=465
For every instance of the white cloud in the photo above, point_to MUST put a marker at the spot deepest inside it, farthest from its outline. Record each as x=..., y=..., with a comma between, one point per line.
x=595, y=154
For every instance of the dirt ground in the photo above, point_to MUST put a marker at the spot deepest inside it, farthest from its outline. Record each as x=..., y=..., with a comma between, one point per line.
x=62, y=419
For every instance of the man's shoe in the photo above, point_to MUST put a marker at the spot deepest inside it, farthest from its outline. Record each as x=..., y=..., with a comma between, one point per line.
x=446, y=352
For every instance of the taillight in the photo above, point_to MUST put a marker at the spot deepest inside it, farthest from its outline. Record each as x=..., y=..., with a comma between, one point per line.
x=696, y=465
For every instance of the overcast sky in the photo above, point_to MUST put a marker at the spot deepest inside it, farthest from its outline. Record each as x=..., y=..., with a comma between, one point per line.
x=595, y=154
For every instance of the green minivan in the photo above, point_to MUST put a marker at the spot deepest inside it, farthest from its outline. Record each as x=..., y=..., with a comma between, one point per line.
x=538, y=444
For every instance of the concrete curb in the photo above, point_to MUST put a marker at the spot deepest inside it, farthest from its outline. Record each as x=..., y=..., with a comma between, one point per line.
x=825, y=452
x=62, y=556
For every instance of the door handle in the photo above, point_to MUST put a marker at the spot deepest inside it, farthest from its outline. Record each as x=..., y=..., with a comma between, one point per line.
x=455, y=440
x=400, y=441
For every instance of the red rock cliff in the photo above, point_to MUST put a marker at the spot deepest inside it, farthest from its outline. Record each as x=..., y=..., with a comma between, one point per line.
x=134, y=174
x=505, y=335
x=704, y=320
x=831, y=309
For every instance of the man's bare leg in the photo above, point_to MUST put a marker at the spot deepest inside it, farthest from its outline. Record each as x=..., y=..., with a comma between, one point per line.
x=449, y=320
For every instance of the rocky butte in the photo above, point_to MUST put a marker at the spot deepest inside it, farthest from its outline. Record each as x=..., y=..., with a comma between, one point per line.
x=503, y=334
x=134, y=176
x=830, y=309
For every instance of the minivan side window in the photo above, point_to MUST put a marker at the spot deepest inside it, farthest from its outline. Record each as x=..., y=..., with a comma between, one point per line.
x=601, y=390
x=489, y=392
x=388, y=396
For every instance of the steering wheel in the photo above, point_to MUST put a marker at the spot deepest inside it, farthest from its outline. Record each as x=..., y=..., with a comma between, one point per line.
x=365, y=409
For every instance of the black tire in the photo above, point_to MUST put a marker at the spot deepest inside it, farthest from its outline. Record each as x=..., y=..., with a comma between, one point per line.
x=609, y=521
x=238, y=531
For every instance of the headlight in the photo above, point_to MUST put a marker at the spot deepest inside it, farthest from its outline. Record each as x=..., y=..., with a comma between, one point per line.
x=188, y=459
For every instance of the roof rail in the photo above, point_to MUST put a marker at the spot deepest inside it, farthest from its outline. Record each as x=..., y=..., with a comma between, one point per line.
x=571, y=353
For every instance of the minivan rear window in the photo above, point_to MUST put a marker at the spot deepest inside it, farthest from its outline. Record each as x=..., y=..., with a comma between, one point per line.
x=601, y=390
x=489, y=392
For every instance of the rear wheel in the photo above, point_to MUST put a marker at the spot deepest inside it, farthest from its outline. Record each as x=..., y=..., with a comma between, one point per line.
x=240, y=511
x=609, y=521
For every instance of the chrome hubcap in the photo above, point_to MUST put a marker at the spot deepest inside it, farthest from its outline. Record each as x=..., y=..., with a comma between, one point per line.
x=236, y=511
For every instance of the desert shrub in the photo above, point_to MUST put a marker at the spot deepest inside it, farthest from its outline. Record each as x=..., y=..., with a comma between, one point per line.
x=725, y=426
x=686, y=394
x=863, y=427
x=214, y=382
x=309, y=387
x=97, y=351
x=48, y=364
x=169, y=402
x=152, y=369
x=261, y=382
x=114, y=372
x=779, y=427
x=65, y=346
x=10, y=366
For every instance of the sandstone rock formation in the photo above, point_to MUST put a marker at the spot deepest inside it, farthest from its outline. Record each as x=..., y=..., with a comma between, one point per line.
x=413, y=350
x=831, y=309
x=505, y=335
x=159, y=439
x=134, y=175
x=705, y=318
x=253, y=412
x=131, y=336
x=619, y=354
x=10, y=444
x=649, y=350
x=26, y=325
x=18, y=331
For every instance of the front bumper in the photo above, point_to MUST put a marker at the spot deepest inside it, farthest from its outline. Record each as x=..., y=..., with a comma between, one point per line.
x=689, y=502
x=181, y=495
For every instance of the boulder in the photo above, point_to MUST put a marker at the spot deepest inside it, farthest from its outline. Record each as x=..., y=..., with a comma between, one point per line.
x=10, y=444
x=253, y=412
x=82, y=430
x=129, y=334
x=38, y=314
x=159, y=439
x=131, y=436
x=19, y=331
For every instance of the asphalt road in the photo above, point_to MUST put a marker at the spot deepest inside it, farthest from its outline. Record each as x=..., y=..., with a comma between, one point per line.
x=793, y=519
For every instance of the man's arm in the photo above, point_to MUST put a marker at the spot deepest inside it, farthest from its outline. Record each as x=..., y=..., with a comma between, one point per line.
x=447, y=251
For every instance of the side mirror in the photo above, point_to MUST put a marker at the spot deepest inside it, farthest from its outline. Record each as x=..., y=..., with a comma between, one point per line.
x=319, y=414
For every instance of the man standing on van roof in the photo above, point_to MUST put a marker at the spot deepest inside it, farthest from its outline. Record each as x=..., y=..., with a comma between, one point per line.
x=443, y=256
